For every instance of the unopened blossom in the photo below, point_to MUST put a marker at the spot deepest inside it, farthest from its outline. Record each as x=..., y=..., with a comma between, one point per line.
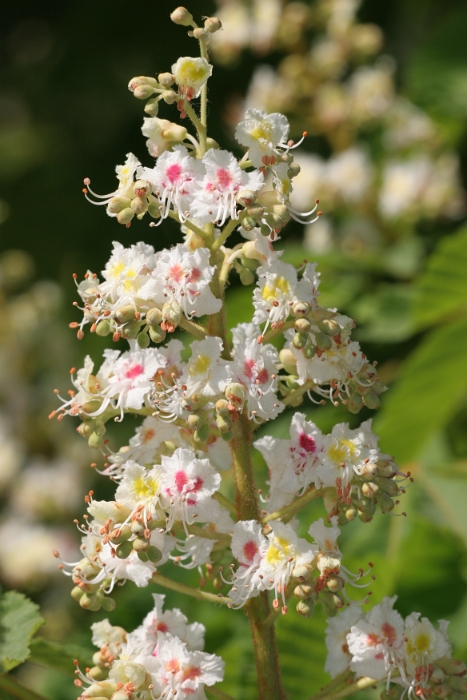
x=265, y=136
x=191, y=75
x=173, y=180
x=161, y=134
x=337, y=629
x=216, y=193
x=259, y=247
x=376, y=643
x=254, y=366
x=183, y=277
x=279, y=289
x=291, y=463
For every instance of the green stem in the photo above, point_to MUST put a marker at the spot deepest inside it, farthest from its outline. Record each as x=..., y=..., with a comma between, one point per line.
x=204, y=235
x=195, y=530
x=274, y=332
x=193, y=592
x=288, y=512
x=225, y=233
x=15, y=690
x=200, y=127
x=257, y=609
x=290, y=398
x=204, y=103
x=191, y=327
x=361, y=684
x=335, y=683
x=225, y=502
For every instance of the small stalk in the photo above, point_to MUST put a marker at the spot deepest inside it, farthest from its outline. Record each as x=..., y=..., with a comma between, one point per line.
x=361, y=684
x=288, y=512
x=186, y=590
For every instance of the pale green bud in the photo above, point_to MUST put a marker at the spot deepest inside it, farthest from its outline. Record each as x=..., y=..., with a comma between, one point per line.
x=77, y=593
x=334, y=583
x=437, y=676
x=120, y=534
x=108, y=604
x=369, y=489
x=182, y=16
x=202, y=434
x=124, y=549
x=172, y=312
x=288, y=360
x=235, y=393
x=299, y=340
x=139, y=206
x=154, y=554
x=458, y=683
x=142, y=92
x=246, y=197
x=223, y=424
x=154, y=317
x=329, y=327
x=125, y=313
x=246, y=276
x=303, y=591
x=152, y=107
x=211, y=143
x=249, y=223
x=117, y=204
x=309, y=351
x=95, y=440
x=140, y=544
x=302, y=325
x=294, y=169
x=98, y=673
x=371, y=400
x=142, y=188
x=166, y=79
x=301, y=308
x=385, y=502
x=453, y=667
x=130, y=330
x=103, y=328
x=212, y=24
x=194, y=421
x=199, y=33
x=86, y=428
x=222, y=407
x=174, y=132
x=305, y=609
x=388, y=486
x=323, y=341
x=143, y=340
x=169, y=97
x=125, y=216
x=157, y=335
x=355, y=403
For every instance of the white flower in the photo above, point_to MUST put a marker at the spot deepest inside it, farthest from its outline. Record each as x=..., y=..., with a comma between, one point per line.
x=263, y=134
x=159, y=623
x=349, y=175
x=248, y=546
x=127, y=272
x=206, y=373
x=160, y=132
x=140, y=487
x=173, y=180
x=337, y=629
x=184, y=277
x=125, y=176
x=285, y=551
x=279, y=289
x=191, y=75
x=254, y=366
x=376, y=642
x=424, y=643
x=291, y=463
x=215, y=199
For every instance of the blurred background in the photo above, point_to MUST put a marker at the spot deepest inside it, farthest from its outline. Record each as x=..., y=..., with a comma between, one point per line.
x=381, y=89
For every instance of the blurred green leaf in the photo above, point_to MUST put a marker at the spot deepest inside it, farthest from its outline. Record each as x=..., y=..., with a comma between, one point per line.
x=386, y=314
x=19, y=620
x=442, y=289
x=10, y=689
x=58, y=656
x=427, y=393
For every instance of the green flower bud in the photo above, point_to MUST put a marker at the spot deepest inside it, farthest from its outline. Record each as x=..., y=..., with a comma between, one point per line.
x=302, y=325
x=385, y=502
x=246, y=197
x=453, y=667
x=86, y=428
x=95, y=440
x=355, y=403
x=142, y=188
x=182, y=16
x=154, y=554
x=143, y=340
x=294, y=169
x=248, y=223
x=369, y=471
x=235, y=393
x=323, y=342
x=389, y=486
x=154, y=317
x=117, y=204
x=305, y=609
x=212, y=24
x=202, y=434
x=437, y=676
x=103, y=328
x=303, y=591
x=227, y=437
x=91, y=406
x=108, y=604
x=194, y=421
x=246, y=276
x=300, y=340
x=442, y=691
x=152, y=107
x=334, y=600
x=350, y=514
x=120, y=534
x=154, y=207
x=302, y=572
x=125, y=216
x=288, y=360
x=172, y=312
x=222, y=407
x=140, y=544
x=300, y=309
x=458, y=683
x=211, y=143
x=334, y=583
x=224, y=424
x=125, y=313
x=130, y=330
x=124, y=549
x=329, y=327
x=142, y=556
x=98, y=673
x=371, y=400
x=174, y=132
x=137, y=527
x=77, y=593
x=90, y=601
x=309, y=351
x=367, y=505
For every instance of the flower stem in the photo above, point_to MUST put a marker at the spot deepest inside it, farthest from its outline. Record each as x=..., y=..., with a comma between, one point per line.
x=361, y=684
x=204, y=235
x=193, y=592
x=225, y=502
x=192, y=327
x=225, y=233
x=292, y=509
x=339, y=680
x=298, y=392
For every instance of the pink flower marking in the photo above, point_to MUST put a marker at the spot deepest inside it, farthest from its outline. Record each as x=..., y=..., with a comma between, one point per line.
x=134, y=371
x=224, y=178
x=307, y=443
x=173, y=172
x=250, y=549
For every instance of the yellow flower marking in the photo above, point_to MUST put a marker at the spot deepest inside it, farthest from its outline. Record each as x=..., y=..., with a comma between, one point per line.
x=278, y=549
x=145, y=488
x=419, y=645
x=261, y=131
x=116, y=270
x=281, y=287
x=340, y=451
x=201, y=365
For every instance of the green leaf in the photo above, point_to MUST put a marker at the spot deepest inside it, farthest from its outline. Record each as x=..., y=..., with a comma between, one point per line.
x=59, y=656
x=442, y=289
x=10, y=689
x=426, y=394
x=19, y=620
x=386, y=314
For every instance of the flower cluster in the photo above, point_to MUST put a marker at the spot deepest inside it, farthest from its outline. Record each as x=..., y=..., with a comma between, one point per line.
x=411, y=653
x=161, y=658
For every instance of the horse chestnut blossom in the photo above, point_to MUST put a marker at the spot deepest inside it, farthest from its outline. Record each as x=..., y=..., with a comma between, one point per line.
x=186, y=484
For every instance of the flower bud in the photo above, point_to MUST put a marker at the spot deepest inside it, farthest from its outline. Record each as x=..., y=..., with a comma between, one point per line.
x=437, y=676
x=120, y=534
x=142, y=188
x=194, y=421
x=303, y=591
x=369, y=471
x=172, y=312
x=140, y=544
x=371, y=400
x=309, y=351
x=453, y=667
x=103, y=328
x=95, y=440
x=335, y=601
x=137, y=527
x=142, y=92
x=302, y=572
x=300, y=309
x=199, y=33
x=139, y=206
x=211, y=143
x=154, y=554
x=288, y=360
x=294, y=169
x=77, y=593
x=154, y=317
x=248, y=223
x=329, y=327
x=389, y=486
x=124, y=549
x=90, y=601
x=157, y=334
x=369, y=489
x=125, y=313
x=334, y=583
x=212, y=24
x=350, y=514
x=323, y=342
x=246, y=276
x=302, y=325
x=182, y=16
x=299, y=340
x=86, y=428
x=355, y=403
x=108, y=604
x=246, y=197
x=202, y=434
x=130, y=330
x=305, y=609
x=97, y=673
x=235, y=393
x=458, y=683
x=223, y=424
x=143, y=340
x=125, y=216
x=117, y=204
x=227, y=437
x=385, y=502
x=442, y=691
x=367, y=506
x=152, y=107
x=169, y=97
x=174, y=132
x=222, y=407
x=166, y=79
